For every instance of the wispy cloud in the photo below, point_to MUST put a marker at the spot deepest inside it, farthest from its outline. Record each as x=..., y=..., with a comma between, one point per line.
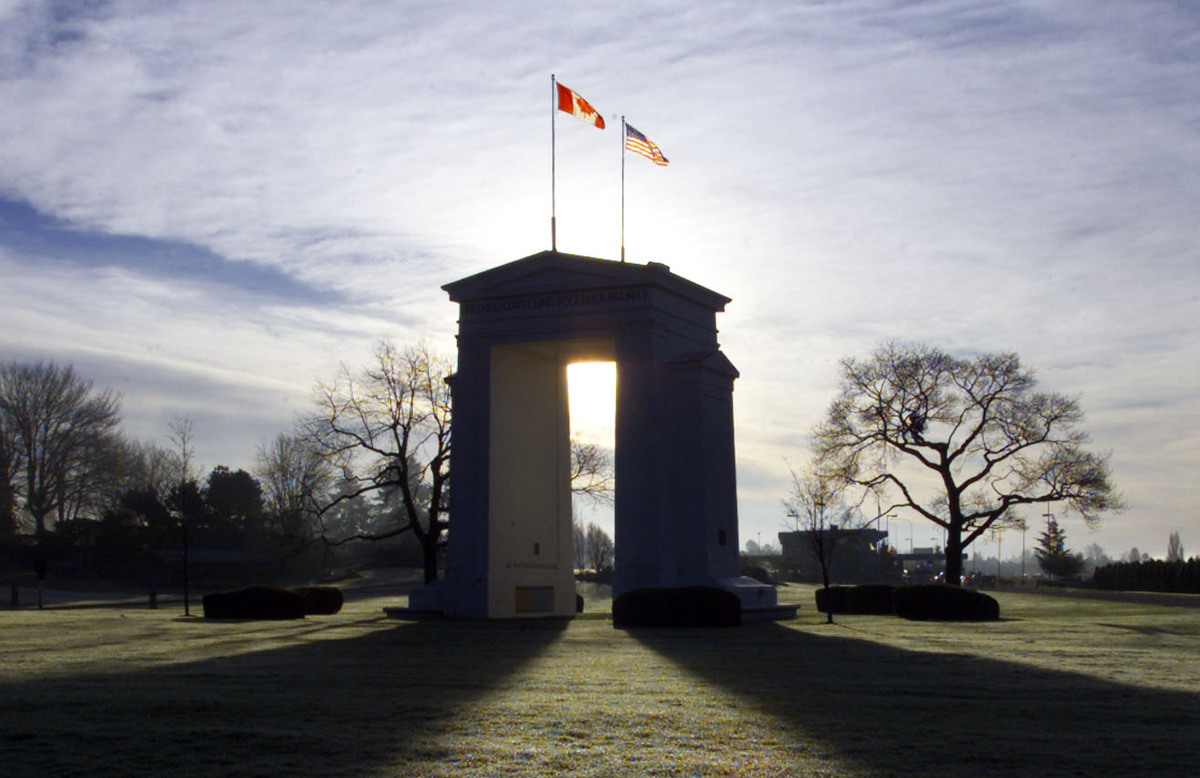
x=259, y=190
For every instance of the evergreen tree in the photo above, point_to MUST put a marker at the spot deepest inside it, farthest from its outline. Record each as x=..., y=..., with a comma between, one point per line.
x=1052, y=553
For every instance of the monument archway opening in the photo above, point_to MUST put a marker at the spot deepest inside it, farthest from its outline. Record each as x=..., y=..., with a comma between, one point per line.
x=591, y=391
x=591, y=387
x=675, y=506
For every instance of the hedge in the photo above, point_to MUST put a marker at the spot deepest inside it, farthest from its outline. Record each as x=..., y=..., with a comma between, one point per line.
x=867, y=599
x=254, y=602
x=321, y=600
x=939, y=602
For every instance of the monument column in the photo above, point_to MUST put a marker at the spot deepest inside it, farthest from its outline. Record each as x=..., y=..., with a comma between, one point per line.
x=702, y=474
x=469, y=467
x=642, y=541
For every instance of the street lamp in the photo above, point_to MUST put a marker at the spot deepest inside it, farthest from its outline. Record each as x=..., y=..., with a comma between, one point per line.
x=910, y=530
x=888, y=524
x=999, y=538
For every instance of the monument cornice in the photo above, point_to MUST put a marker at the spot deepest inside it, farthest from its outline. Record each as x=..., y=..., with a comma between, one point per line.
x=519, y=283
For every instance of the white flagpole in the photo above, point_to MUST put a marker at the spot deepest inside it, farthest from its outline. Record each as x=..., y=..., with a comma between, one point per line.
x=622, y=188
x=553, y=112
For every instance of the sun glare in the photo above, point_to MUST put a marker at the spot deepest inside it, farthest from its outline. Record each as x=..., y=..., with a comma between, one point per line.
x=592, y=395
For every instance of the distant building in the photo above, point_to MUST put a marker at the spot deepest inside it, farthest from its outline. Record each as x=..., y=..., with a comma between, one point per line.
x=860, y=556
x=924, y=565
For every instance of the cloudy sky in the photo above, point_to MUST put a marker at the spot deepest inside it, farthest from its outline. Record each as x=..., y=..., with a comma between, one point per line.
x=209, y=205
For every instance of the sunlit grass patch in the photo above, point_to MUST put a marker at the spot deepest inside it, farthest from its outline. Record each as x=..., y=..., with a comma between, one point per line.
x=1059, y=687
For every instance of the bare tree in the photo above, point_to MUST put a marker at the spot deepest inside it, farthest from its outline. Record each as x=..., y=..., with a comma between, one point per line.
x=818, y=511
x=1094, y=555
x=591, y=472
x=295, y=480
x=58, y=425
x=186, y=497
x=578, y=542
x=986, y=439
x=1174, y=548
x=754, y=548
x=600, y=553
x=182, y=437
x=387, y=430
x=148, y=467
x=96, y=485
x=10, y=466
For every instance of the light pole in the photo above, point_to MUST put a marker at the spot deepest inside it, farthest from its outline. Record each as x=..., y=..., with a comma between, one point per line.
x=910, y=530
x=999, y=538
x=888, y=524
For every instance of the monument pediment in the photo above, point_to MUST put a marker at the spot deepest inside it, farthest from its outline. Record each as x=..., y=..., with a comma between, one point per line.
x=559, y=272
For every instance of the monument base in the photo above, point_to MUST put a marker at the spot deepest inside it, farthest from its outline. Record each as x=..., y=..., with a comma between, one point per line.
x=759, y=601
x=412, y=614
x=423, y=604
x=774, y=613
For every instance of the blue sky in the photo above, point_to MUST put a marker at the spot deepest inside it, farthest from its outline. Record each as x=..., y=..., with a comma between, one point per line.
x=208, y=206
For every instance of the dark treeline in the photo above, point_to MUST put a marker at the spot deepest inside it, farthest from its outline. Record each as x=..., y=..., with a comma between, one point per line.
x=370, y=462
x=79, y=498
x=133, y=531
x=1152, y=575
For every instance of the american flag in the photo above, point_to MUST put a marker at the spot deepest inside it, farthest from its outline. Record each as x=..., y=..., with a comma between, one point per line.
x=640, y=144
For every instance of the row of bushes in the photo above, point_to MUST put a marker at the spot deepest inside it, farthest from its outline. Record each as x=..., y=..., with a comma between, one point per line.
x=921, y=602
x=703, y=606
x=268, y=602
x=1150, y=576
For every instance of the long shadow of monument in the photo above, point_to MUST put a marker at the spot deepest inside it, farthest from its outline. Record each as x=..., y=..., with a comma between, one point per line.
x=323, y=707
x=890, y=711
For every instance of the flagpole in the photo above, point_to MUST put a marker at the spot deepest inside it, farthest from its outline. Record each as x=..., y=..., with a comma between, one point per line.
x=553, y=226
x=622, y=187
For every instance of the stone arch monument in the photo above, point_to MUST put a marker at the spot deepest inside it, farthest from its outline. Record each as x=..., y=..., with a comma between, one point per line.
x=520, y=325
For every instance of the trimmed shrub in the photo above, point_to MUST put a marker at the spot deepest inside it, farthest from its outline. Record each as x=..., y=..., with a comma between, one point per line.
x=939, y=602
x=868, y=599
x=254, y=602
x=689, y=606
x=321, y=600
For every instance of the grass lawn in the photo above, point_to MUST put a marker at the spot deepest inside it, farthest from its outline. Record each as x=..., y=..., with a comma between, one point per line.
x=1060, y=687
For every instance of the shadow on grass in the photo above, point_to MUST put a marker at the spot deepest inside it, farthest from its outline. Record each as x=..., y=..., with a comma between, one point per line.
x=890, y=711
x=332, y=707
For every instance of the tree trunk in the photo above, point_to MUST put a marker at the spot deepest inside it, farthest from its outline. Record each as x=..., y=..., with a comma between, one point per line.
x=429, y=548
x=825, y=562
x=39, y=524
x=953, y=553
x=8, y=512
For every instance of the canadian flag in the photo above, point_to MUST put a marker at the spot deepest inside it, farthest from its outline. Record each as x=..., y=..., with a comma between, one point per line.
x=575, y=105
